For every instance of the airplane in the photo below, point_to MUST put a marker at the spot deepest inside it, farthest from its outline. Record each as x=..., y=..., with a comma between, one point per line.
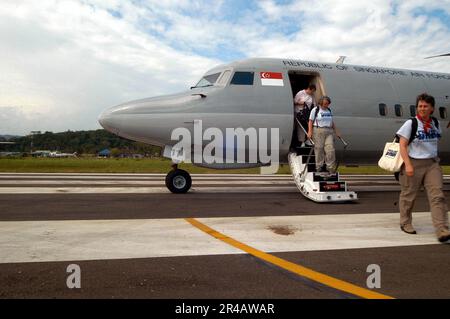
x=369, y=105
x=62, y=155
x=54, y=154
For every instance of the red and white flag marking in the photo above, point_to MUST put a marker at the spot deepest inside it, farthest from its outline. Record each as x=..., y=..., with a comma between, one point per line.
x=271, y=79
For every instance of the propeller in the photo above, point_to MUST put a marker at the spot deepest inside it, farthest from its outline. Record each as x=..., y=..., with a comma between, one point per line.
x=437, y=56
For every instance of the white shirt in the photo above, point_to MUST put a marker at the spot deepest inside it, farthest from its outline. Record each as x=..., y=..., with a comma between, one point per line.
x=424, y=146
x=302, y=97
x=324, y=117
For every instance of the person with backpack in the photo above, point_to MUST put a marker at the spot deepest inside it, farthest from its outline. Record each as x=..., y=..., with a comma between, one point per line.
x=321, y=128
x=419, y=139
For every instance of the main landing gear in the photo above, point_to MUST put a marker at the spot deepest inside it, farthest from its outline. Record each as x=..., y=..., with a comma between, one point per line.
x=178, y=181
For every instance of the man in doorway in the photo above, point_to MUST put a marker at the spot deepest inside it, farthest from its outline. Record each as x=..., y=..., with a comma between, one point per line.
x=303, y=104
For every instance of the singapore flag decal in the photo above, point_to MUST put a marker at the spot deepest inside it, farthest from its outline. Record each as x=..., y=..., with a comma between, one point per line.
x=272, y=79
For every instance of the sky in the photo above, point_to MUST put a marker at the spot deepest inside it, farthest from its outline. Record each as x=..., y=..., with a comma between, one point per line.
x=64, y=61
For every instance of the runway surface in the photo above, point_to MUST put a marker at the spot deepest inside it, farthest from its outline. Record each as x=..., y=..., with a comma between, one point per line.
x=134, y=239
x=154, y=183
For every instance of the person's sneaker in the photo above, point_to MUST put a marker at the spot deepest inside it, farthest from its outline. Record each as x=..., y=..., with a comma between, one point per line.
x=409, y=229
x=308, y=143
x=443, y=235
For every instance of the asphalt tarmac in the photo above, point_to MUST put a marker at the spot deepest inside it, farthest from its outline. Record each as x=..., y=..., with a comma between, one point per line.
x=133, y=243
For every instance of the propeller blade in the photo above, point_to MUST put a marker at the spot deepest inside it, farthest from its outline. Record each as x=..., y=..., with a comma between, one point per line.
x=437, y=56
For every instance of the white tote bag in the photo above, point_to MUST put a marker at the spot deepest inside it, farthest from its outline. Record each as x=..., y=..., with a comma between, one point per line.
x=391, y=160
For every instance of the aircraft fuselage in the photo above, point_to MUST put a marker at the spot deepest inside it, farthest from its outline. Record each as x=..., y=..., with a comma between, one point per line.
x=369, y=104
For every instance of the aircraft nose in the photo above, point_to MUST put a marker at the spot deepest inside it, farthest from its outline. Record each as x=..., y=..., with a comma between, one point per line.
x=102, y=119
x=150, y=120
x=105, y=120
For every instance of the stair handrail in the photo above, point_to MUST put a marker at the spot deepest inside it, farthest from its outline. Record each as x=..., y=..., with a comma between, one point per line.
x=344, y=142
x=306, y=133
x=302, y=174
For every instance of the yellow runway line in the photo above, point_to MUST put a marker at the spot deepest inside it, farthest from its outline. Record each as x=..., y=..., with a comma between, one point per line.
x=287, y=265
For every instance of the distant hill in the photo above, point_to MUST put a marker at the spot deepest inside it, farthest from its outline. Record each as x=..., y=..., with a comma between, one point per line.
x=82, y=142
x=6, y=138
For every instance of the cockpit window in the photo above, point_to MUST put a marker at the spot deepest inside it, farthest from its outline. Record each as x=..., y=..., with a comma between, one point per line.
x=243, y=78
x=224, y=78
x=207, y=80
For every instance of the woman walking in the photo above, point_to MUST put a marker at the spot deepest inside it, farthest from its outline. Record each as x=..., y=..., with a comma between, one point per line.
x=421, y=167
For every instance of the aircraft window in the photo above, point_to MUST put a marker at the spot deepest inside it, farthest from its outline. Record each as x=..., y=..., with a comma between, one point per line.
x=443, y=112
x=224, y=78
x=398, y=110
x=207, y=80
x=383, y=109
x=412, y=109
x=243, y=78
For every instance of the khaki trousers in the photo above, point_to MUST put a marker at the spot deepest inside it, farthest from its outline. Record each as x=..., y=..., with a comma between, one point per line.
x=323, y=138
x=428, y=173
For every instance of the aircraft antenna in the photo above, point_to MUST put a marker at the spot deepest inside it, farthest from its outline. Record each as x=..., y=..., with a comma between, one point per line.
x=341, y=59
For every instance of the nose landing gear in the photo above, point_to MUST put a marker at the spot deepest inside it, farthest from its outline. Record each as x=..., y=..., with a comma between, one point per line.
x=178, y=181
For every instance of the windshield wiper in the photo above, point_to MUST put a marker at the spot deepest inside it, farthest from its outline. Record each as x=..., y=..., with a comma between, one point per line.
x=203, y=86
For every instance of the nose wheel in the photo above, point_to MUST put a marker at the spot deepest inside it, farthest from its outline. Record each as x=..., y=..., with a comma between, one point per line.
x=178, y=181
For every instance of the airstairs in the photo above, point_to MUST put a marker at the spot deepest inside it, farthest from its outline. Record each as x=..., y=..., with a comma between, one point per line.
x=320, y=187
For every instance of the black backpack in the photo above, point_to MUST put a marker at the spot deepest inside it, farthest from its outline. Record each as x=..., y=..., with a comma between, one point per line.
x=303, y=115
x=415, y=125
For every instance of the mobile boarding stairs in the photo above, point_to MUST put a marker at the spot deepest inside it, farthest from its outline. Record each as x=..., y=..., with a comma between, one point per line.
x=317, y=186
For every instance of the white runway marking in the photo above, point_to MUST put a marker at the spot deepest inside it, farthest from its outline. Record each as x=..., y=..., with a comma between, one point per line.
x=162, y=176
x=132, y=175
x=138, y=183
x=138, y=177
x=41, y=183
x=143, y=190
x=84, y=183
x=324, y=232
x=40, y=241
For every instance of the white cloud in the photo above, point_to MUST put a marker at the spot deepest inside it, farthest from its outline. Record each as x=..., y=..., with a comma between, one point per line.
x=65, y=61
x=368, y=33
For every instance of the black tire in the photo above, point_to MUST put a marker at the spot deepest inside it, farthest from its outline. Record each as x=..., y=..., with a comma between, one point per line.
x=178, y=181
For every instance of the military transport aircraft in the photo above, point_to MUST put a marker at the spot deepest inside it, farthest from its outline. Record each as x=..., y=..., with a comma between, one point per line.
x=369, y=104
